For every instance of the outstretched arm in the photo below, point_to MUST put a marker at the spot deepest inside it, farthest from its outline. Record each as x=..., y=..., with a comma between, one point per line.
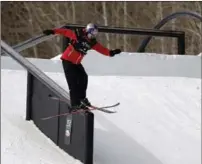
x=105, y=51
x=101, y=49
x=66, y=32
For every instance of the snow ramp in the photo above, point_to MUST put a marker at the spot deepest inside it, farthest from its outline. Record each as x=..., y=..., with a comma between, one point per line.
x=22, y=142
x=158, y=121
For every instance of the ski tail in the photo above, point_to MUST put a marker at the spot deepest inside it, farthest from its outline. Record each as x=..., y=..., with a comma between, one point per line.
x=90, y=108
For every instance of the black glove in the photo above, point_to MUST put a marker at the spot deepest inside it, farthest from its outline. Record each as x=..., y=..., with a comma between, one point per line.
x=48, y=32
x=114, y=52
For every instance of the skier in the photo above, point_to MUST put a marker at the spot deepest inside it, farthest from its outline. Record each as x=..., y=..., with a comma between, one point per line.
x=80, y=42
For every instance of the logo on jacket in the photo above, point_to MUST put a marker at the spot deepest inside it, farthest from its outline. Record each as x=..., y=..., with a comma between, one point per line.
x=82, y=46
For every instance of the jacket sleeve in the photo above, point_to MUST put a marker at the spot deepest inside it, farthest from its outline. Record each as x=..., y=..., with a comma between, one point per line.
x=66, y=32
x=101, y=49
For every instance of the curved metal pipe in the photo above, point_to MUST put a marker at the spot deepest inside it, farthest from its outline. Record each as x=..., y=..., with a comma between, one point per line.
x=164, y=21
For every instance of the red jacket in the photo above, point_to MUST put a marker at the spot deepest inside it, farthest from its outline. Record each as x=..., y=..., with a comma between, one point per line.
x=71, y=54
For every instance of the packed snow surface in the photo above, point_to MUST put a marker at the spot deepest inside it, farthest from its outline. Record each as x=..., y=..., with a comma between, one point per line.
x=158, y=121
x=21, y=141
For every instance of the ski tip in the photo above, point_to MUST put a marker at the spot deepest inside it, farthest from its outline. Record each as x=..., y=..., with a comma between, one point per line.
x=118, y=103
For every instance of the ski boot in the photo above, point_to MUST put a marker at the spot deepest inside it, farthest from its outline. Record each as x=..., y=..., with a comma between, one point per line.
x=85, y=102
x=79, y=107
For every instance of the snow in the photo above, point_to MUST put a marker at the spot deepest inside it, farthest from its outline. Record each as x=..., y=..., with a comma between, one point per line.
x=158, y=121
x=56, y=58
x=21, y=141
x=137, y=64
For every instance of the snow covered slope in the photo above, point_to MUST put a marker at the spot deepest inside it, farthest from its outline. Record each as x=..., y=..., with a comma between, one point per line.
x=21, y=141
x=125, y=64
x=158, y=121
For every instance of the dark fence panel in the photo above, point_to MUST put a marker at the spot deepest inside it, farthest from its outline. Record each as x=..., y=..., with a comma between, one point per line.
x=89, y=138
x=43, y=106
x=181, y=44
x=81, y=142
x=29, y=96
x=73, y=133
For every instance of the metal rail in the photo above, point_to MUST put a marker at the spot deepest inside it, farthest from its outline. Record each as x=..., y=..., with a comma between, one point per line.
x=30, y=43
x=60, y=92
x=133, y=31
x=163, y=22
x=105, y=29
x=180, y=35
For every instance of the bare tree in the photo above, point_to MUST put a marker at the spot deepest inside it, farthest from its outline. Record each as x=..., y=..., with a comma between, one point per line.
x=159, y=14
x=117, y=22
x=125, y=24
x=104, y=8
x=174, y=9
x=30, y=28
x=73, y=12
x=22, y=20
x=199, y=5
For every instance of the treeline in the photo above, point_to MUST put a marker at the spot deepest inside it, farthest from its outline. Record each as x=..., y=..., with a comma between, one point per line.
x=23, y=19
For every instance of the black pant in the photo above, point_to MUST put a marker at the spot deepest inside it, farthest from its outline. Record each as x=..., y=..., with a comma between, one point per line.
x=77, y=80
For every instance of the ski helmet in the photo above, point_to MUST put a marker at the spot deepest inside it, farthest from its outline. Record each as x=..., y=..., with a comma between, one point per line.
x=91, y=30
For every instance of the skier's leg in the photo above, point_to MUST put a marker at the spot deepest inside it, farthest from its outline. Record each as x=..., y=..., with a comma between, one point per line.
x=71, y=75
x=83, y=81
x=83, y=84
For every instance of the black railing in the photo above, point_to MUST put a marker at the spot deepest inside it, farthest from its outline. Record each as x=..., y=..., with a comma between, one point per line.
x=164, y=21
x=59, y=91
x=180, y=35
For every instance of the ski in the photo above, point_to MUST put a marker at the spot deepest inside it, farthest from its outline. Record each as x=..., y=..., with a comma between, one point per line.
x=108, y=106
x=103, y=109
x=64, y=114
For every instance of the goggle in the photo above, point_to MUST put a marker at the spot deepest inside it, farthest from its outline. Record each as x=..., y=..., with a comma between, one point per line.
x=93, y=33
